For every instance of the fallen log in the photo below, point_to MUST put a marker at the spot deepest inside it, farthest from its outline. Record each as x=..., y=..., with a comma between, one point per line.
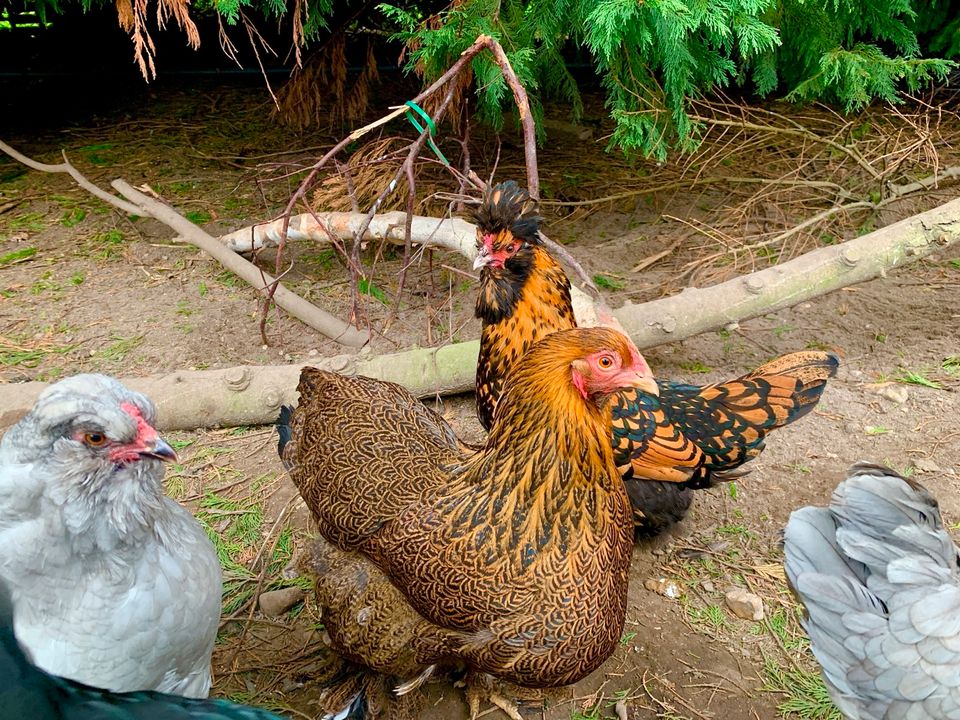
x=252, y=395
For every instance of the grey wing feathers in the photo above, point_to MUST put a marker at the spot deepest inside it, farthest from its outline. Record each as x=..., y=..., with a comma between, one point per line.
x=878, y=575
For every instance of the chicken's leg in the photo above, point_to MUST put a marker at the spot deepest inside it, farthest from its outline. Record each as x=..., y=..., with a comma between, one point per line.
x=481, y=686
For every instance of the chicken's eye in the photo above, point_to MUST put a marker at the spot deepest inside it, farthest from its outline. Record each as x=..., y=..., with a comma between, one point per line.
x=95, y=439
x=513, y=247
x=605, y=362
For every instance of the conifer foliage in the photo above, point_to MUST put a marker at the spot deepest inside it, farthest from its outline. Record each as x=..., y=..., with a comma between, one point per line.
x=654, y=55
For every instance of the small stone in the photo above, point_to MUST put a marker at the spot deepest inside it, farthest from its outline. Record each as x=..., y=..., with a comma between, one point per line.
x=313, y=353
x=662, y=586
x=708, y=586
x=276, y=602
x=290, y=571
x=894, y=392
x=925, y=465
x=288, y=357
x=744, y=604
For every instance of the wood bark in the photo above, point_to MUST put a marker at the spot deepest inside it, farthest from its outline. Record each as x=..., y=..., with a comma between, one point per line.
x=253, y=395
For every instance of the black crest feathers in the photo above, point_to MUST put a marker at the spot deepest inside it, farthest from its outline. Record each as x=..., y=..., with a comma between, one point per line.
x=506, y=206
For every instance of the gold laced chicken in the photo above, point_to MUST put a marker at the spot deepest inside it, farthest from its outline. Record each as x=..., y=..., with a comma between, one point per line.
x=666, y=443
x=507, y=561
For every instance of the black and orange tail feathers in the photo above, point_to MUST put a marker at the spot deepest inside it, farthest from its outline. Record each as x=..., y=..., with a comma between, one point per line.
x=698, y=436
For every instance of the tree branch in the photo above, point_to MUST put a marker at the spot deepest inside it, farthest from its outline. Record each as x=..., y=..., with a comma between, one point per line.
x=331, y=326
x=146, y=206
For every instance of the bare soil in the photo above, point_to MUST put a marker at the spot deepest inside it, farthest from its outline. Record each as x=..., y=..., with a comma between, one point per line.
x=103, y=292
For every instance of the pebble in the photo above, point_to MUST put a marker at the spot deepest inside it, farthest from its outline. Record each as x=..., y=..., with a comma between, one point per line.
x=313, y=353
x=662, y=586
x=894, y=392
x=744, y=604
x=925, y=465
x=707, y=586
x=276, y=602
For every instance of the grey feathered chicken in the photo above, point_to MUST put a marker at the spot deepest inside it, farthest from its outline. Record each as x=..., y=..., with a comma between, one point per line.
x=28, y=691
x=879, y=577
x=113, y=584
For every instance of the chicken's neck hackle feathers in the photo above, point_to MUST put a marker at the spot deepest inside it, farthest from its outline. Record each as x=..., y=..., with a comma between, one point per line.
x=689, y=436
x=517, y=313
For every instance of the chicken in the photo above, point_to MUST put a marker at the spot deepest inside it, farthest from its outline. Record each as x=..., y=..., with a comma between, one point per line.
x=667, y=443
x=114, y=584
x=510, y=559
x=880, y=579
x=28, y=691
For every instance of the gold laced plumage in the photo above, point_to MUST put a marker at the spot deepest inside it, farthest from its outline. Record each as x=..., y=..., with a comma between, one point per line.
x=687, y=438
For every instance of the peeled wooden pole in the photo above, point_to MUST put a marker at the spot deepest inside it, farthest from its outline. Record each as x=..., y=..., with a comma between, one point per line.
x=252, y=395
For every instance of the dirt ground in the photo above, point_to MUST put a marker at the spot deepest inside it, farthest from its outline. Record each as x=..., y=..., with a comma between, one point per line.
x=84, y=288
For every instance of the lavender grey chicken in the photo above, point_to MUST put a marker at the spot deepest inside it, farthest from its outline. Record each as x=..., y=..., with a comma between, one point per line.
x=113, y=584
x=880, y=579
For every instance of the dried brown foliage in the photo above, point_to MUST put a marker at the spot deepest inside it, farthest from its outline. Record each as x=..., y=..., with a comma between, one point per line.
x=321, y=91
x=132, y=15
x=370, y=168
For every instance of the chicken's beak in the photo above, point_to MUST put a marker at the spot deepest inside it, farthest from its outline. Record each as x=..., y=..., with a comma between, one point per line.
x=642, y=381
x=483, y=258
x=159, y=450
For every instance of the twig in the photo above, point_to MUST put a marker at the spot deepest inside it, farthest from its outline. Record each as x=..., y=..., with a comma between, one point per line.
x=66, y=167
x=146, y=206
x=923, y=183
x=799, y=132
x=331, y=326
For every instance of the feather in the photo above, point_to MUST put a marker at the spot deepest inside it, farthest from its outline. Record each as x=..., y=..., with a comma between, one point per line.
x=684, y=437
x=114, y=584
x=878, y=569
x=28, y=691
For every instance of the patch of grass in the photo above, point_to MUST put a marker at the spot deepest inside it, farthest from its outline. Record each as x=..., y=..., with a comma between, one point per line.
x=876, y=430
x=17, y=256
x=120, y=347
x=33, y=222
x=77, y=278
x=106, y=245
x=26, y=354
x=782, y=330
x=736, y=531
x=787, y=630
x=233, y=527
x=712, y=616
x=955, y=264
x=227, y=279
x=732, y=489
x=202, y=288
x=198, y=217
x=800, y=468
x=627, y=637
x=45, y=283
x=805, y=694
x=73, y=217
x=909, y=377
x=366, y=287
x=605, y=282
x=323, y=259
x=96, y=154
x=695, y=367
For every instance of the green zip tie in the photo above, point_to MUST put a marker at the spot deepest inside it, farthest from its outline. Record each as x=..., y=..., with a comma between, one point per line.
x=432, y=131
